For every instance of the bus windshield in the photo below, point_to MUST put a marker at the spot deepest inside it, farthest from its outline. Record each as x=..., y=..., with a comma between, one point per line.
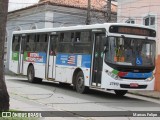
x=130, y=51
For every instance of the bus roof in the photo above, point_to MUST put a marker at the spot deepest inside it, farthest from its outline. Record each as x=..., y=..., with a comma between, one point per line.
x=79, y=27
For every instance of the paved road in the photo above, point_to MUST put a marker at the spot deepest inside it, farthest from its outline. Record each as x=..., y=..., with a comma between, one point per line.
x=53, y=95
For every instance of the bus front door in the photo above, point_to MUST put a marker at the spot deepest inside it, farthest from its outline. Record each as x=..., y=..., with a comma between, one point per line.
x=52, y=56
x=97, y=59
x=21, y=53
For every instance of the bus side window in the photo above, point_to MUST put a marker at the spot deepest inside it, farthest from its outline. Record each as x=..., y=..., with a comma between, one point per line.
x=30, y=45
x=61, y=37
x=16, y=43
x=72, y=37
x=65, y=44
x=41, y=43
x=77, y=38
x=27, y=48
x=83, y=42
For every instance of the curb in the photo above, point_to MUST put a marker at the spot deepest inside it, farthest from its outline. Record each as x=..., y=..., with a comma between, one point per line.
x=144, y=95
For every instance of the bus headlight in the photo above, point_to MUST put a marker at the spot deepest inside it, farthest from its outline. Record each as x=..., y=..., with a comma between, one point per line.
x=150, y=78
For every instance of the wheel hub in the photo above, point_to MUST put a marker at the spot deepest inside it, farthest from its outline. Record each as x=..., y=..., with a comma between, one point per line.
x=80, y=82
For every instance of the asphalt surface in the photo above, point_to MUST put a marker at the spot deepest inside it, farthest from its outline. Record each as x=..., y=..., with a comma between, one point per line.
x=55, y=97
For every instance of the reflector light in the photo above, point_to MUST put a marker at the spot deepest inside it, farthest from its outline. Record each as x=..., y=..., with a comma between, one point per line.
x=122, y=74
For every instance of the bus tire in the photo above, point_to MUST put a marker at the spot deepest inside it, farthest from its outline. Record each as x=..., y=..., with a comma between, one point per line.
x=31, y=75
x=80, y=87
x=120, y=92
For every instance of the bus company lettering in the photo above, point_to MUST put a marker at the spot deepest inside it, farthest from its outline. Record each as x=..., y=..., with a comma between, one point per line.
x=66, y=59
x=36, y=57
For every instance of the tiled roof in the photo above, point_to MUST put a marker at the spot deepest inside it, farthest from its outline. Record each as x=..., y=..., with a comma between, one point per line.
x=95, y=4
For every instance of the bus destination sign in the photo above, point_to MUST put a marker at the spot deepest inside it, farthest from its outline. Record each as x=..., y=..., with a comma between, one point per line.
x=132, y=31
x=135, y=31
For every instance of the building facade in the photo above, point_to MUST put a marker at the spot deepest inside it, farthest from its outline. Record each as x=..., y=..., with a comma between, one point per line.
x=54, y=13
x=145, y=12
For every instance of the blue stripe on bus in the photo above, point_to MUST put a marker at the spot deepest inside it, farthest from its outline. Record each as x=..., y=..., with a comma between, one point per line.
x=86, y=61
x=138, y=75
x=71, y=60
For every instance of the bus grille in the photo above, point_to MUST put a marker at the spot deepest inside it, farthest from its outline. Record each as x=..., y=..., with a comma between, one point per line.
x=128, y=86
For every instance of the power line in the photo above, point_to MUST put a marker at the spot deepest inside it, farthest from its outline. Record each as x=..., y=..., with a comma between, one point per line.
x=139, y=7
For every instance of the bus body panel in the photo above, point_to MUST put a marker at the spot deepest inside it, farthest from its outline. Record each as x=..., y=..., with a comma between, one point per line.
x=87, y=77
x=15, y=62
x=50, y=67
x=109, y=83
x=38, y=60
x=62, y=66
x=66, y=64
x=25, y=67
x=64, y=74
x=13, y=66
x=39, y=70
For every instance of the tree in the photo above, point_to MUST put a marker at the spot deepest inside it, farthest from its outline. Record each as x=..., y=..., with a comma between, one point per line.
x=4, y=96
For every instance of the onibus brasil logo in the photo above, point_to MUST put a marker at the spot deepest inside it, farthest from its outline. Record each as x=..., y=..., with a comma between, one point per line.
x=21, y=114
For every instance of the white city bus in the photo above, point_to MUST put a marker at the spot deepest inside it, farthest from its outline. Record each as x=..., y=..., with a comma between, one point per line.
x=109, y=56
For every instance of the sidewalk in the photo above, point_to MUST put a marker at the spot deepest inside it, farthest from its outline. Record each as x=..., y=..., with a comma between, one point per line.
x=151, y=94
x=18, y=105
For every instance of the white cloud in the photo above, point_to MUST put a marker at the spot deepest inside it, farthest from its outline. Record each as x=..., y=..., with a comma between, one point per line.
x=17, y=4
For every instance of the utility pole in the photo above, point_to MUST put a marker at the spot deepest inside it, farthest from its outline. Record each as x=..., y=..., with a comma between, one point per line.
x=4, y=97
x=88, y=19
x=108, y=10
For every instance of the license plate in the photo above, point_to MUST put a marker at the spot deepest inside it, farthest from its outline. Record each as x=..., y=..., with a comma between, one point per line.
x=134, y=85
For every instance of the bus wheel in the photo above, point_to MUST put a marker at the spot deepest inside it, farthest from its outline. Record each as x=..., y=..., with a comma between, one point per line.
x=80, y=87
x=120, y=92
x=31, y=75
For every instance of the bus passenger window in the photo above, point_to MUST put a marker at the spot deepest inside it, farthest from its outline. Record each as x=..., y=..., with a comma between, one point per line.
x=72, y=37
x=30, y=44
x=42, y=42
x=61, y=37
x=27, y=47
x=16, y=43
x=78, y=34
x=65, y=44
x=83, y=43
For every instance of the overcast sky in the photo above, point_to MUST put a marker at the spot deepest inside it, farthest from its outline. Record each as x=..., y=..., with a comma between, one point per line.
x=17, y=4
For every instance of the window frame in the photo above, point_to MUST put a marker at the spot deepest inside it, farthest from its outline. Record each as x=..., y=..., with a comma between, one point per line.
x=129, y=21
x=72, y=43
x=149, y=21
